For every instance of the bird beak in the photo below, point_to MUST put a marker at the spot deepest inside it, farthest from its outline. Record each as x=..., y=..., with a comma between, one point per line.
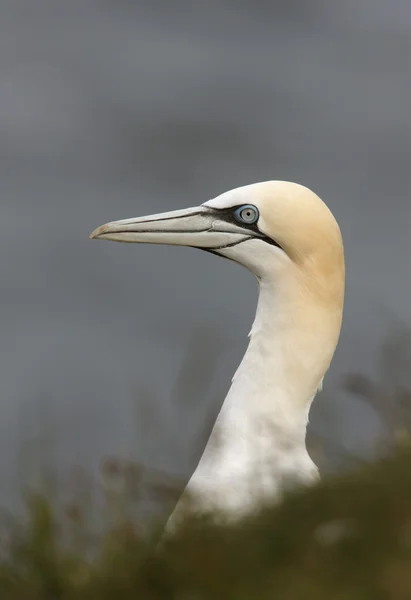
x=199, y=227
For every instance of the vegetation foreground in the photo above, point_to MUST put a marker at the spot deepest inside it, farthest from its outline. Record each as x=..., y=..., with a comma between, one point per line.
x=347, y=538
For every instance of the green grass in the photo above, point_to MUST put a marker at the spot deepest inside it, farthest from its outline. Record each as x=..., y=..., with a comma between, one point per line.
x=348, y=538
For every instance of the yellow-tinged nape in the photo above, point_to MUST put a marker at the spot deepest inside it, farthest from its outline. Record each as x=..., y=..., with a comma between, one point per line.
x=305, y=227
x=307, y=230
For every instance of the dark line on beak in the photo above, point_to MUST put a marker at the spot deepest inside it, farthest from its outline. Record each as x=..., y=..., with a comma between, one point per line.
x=249, y=237
x=166, y=230
x=193, y=214
x=215, y=250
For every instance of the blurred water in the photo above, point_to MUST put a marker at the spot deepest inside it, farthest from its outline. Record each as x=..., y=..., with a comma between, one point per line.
x=111, y=110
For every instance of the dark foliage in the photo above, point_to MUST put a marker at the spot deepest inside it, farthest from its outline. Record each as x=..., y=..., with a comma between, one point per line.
x=349, y=537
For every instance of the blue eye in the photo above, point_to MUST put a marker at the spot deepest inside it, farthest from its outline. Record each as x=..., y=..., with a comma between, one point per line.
x=247, y=214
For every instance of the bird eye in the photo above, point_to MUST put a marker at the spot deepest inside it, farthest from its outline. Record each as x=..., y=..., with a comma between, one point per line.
x=247, y=214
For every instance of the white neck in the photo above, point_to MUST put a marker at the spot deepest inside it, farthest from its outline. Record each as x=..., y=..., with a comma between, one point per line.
x=259, y=436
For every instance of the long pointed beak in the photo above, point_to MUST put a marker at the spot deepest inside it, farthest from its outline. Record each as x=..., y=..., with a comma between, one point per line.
x=198, y=227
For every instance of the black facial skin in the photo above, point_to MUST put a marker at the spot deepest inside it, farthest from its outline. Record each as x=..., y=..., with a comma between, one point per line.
x=227, y=214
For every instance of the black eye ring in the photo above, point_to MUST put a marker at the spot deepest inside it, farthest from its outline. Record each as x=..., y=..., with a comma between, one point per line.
x=247, y=214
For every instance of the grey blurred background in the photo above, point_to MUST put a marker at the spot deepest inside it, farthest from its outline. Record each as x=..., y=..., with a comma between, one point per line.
x=111, y=110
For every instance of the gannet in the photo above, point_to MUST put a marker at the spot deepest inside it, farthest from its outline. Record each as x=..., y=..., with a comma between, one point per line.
x=288, y=238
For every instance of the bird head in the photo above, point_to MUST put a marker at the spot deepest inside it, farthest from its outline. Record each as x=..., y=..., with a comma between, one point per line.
x=274, y=228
